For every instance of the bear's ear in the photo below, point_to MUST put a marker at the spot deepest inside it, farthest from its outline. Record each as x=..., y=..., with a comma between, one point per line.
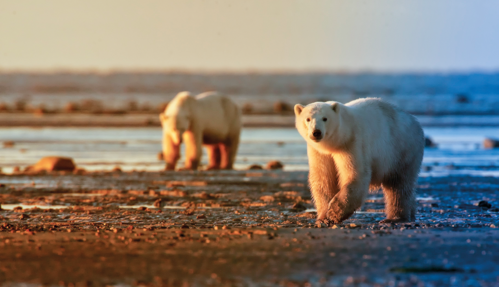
x=298, y=109
x=335, y=107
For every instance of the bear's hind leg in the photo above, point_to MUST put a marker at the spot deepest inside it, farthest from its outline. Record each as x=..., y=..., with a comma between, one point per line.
x=228, y=152
x=214, y=156
x=400, y=203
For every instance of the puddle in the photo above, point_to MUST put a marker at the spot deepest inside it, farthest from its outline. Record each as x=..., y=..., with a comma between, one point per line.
x=428, y=198
x=150, y=206
x=25, y=206
x=458, y=147
x=358, y=211
x=82, y=194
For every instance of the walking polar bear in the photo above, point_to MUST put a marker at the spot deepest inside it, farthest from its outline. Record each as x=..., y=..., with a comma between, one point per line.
x=208, y=119
x=364, y=144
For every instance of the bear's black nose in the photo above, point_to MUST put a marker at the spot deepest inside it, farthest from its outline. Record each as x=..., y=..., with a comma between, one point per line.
x=317, y=134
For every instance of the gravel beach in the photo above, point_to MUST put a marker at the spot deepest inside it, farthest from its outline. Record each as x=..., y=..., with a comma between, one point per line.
x=238, y=228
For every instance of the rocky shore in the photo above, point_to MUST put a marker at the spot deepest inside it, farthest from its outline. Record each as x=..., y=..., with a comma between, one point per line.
x=237, y=228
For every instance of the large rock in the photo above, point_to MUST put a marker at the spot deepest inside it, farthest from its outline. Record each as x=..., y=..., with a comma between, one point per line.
x=52, y=163
x=489, y=143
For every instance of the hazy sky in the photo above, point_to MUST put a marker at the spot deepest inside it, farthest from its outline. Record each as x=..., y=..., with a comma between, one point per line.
x=342, y=35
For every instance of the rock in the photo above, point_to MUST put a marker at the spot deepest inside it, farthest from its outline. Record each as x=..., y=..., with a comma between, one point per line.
x=267, y=198
x=489, y=143
x=297, y=207
x=247, y=108
x=428, y=142
x=255, y=167
x=116, y=169
x=462, y=99
x=52, y=163
x=160, y=156
x=8, y=144
x=3, y=107
x=20, y=105
x=484, y=204
x=426, y=168
x=281, y=107
x=495, y=209
x=16, y=169
x=79, y=171
x=40, y=111
x=71, y=107
x=158, y=203
x=274, y=164
x=132, y=106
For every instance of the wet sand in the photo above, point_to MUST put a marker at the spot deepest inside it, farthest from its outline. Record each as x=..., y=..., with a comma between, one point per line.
x=238, y=228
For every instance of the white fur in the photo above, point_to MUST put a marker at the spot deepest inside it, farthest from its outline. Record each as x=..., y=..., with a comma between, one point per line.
x=366, y=143
x=208, y=119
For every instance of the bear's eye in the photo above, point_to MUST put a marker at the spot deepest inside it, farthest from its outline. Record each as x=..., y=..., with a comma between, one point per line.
x=324, y=119
x=308, y=119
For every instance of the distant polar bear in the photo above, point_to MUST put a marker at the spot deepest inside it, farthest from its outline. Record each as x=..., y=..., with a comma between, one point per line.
x=364, y=144
x=208, y=119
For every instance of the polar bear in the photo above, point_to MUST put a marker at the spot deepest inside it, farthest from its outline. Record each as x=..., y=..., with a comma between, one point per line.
x=364, y=144
x=208, y=119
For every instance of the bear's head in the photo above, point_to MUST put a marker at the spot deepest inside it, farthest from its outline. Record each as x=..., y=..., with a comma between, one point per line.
x=318, y=123
x=176, y=119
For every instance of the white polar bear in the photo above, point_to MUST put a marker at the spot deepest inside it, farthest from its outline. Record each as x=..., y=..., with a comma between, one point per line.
x=208, y=119
x=364, y=144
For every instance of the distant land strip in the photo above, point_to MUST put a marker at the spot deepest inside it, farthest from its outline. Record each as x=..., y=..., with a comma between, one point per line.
x=257, y=121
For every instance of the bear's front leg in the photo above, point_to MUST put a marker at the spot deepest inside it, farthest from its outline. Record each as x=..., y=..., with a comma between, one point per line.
x=323, y=181
x=193, y=149
x=171, y=153
x=349, y=199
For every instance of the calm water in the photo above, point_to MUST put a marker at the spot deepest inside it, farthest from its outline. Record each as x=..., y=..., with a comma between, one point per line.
x=459, y=149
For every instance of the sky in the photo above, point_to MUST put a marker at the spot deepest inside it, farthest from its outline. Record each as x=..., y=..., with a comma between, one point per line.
x=241, y=35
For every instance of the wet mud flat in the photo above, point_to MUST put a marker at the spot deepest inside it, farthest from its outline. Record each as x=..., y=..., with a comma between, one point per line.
x=238, y=228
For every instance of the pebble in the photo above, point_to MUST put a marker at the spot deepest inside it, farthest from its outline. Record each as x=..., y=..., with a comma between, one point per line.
x=274, y=164
x=8, y=144
x=255, y=167
x=490, y=143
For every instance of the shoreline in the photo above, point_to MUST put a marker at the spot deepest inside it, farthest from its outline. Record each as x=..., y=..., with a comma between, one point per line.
x=253, y=121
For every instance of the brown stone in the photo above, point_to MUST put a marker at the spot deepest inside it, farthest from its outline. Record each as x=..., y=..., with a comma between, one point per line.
x=247, y=108
x=275, y=164
x=255, y=167
x=489, y=143
x=52, y=163
x=281, y=107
